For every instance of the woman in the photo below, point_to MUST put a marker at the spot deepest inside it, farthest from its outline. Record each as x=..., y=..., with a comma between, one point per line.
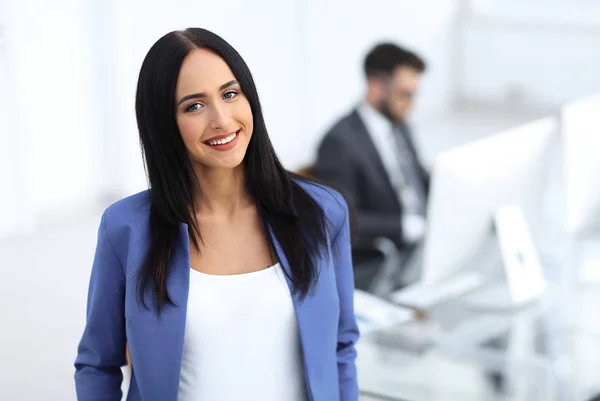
x=230, y=279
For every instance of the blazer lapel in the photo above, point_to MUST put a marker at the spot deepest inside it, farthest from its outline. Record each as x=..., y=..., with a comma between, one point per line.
x=305, y=308
x=315, y=314
x=371, y=155
x=161, y=342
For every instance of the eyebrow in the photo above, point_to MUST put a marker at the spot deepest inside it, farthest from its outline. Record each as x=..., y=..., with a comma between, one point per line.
x=202, y=94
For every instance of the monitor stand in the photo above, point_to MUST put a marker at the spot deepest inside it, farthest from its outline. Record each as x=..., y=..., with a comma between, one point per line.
x=585, y=257
x=525, y=281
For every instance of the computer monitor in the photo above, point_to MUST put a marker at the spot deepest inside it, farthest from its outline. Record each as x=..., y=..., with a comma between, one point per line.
x=472, y=183
x=580, y=132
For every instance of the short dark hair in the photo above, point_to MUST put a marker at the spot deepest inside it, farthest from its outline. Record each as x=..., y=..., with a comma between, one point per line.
x=384, y=58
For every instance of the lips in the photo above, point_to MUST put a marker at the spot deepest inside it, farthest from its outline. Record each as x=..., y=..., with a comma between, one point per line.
x=222, y=139
x=225, y=142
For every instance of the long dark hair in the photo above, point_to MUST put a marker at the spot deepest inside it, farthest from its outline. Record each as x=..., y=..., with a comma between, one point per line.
x=296, y=219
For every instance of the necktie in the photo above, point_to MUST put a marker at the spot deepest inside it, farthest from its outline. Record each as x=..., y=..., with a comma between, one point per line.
x=410, y=185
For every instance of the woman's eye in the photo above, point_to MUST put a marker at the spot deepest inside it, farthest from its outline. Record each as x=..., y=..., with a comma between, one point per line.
x=230, y=95
x=194, y=107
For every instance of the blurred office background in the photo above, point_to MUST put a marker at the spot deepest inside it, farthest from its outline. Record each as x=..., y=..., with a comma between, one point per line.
x=69, y=146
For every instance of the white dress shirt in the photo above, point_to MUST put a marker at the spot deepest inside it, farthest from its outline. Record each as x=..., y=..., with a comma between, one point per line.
x=381, y=131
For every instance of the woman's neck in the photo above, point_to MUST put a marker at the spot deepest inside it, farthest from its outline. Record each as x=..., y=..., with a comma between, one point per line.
x=221, y=192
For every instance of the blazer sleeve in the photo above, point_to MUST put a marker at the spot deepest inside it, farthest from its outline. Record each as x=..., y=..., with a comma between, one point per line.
x=101, y=351
x=336, y=168
x=347, y=327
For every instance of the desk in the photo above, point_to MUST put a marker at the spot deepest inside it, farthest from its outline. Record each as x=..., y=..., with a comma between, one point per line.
x=549, y=351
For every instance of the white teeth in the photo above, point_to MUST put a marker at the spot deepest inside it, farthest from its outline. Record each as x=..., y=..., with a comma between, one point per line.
x=223, y=141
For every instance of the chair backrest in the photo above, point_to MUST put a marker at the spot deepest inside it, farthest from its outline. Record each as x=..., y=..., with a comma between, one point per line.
x=306, y=171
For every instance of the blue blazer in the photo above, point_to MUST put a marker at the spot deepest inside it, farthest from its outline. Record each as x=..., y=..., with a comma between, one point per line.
x=326, y=320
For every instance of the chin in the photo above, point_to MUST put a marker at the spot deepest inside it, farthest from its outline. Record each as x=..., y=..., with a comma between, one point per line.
x=232, y=165
x=229, y=163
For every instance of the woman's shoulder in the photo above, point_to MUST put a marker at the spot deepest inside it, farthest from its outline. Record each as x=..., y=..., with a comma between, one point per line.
x=133, y=209
x=332, y=202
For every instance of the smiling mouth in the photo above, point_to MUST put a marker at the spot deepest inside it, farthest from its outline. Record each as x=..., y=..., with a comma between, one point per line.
x=223, y=140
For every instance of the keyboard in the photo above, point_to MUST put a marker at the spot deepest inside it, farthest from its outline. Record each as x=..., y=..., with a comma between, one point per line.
x=427, y=295
x=374, y=313
x=496, y=298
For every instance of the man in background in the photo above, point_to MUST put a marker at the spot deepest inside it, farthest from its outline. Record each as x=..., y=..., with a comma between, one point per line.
x=369, y=155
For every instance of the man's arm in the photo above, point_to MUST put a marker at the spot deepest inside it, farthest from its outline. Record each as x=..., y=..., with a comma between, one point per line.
x=336, y=168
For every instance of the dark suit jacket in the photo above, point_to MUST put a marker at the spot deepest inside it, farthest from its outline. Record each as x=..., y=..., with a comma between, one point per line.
x=348, y=161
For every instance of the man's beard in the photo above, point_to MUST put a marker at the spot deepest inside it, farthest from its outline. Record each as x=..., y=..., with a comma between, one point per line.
x=385, y=109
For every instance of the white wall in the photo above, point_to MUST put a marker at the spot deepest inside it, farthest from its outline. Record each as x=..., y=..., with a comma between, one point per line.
x=536, y=52
x=306, y=59
x=75, y=66
x=336, y=36
x=14, y=190
x=76, y=63
x=51, y=131
x=73, y=136
x=268, y=44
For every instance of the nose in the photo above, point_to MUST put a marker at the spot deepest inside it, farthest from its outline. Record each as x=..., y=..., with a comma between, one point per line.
x=220, y=118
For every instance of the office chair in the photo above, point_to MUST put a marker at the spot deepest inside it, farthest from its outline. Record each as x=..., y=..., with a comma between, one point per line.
x=376, y=269
x=307, y=172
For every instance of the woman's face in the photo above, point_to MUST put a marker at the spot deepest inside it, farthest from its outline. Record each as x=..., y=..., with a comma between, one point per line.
x=213, y=115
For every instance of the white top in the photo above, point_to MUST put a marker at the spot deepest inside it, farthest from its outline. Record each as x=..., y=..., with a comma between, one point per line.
x=241, y=339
